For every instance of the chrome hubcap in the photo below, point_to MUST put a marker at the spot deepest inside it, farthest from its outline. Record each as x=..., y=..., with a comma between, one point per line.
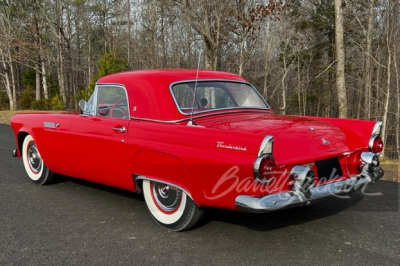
x=34, y=159
x=167, y=197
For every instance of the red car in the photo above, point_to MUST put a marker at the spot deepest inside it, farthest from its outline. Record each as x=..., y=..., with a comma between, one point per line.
x=191, y=139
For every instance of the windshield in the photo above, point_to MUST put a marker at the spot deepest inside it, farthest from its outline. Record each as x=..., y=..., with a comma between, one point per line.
x=211, y=95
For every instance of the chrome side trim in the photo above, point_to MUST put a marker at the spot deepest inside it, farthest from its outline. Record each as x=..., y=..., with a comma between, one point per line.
x=377, y=128
x=292, y=198
x=199, y=116
x=50, y=125
x=141, y=177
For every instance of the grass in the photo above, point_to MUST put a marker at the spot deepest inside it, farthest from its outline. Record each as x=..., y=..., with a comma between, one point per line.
x=5, y=116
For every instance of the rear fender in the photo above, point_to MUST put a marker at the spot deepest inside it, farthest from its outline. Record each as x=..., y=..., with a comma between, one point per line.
x=358, y=132
x=158, y=166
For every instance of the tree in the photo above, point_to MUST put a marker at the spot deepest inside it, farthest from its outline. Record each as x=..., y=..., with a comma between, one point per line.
x=207, y=19
x=368, y=61
x=340, y=60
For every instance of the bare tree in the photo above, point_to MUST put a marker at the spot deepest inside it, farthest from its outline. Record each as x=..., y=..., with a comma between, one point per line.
x=368, y=59
x=6, y=46
x=206, y=17
x=340, y=58
x=389, y=35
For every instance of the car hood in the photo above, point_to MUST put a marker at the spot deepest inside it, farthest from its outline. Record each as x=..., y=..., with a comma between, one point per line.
x=295, y=138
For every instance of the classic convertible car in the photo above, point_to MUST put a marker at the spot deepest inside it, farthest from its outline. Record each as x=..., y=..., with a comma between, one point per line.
x=191, y=139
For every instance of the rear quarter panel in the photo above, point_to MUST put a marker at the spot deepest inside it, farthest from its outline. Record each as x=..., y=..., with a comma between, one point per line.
x=188, y=156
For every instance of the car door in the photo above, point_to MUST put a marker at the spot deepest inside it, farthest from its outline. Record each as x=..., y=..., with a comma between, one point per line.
x=100, y=136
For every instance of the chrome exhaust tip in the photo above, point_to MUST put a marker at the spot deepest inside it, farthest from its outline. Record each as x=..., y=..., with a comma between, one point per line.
x=304, y=178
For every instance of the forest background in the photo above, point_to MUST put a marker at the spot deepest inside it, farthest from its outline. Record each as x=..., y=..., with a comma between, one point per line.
x=306, y=57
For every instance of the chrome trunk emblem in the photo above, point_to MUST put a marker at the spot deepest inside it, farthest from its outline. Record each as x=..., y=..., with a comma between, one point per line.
x=325, y=142
x=221, y=144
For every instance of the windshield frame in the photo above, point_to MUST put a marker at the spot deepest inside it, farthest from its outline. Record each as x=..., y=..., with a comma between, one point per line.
x=216, y=109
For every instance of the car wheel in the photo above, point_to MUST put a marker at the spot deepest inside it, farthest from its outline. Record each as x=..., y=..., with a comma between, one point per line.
x=170, y=207
x=33, y=163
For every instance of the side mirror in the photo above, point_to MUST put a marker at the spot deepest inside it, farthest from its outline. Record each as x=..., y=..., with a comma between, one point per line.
x=82, y=105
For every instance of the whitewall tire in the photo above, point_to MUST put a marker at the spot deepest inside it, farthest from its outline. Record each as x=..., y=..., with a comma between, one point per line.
x=170, y=206
x=33, y=162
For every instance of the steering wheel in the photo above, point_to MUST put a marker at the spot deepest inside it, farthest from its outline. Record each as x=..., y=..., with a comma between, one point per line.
x=117, y=112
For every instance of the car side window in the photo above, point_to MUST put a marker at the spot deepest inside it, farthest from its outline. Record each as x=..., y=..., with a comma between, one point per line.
x=89, y=110
x=112, y=102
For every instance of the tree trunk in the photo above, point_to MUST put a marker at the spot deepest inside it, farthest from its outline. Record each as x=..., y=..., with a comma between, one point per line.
x=377, y=112
x=299, y=84
x=398, y=105
x=283, y=82
x=241, y=58
x=368, y=71
x=128, y=30
x=7, y=82
x=44, y=81
x=60, y=46
x=265, y=89
x=340, y=58
x=37, y=79
x=388, y=77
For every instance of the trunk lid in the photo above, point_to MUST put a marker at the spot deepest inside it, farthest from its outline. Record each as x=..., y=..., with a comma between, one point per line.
x=296, y=139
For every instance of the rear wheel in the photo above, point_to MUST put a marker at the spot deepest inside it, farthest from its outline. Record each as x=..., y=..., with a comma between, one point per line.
x=170, y=206
x=33, y=163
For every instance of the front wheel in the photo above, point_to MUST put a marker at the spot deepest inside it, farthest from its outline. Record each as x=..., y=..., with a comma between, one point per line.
x=170, y=207
x=33, y=163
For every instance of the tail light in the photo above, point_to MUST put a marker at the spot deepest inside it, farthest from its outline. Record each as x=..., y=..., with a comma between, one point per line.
x=268, y=168
x=265, y=165
x=375, y=144
x=354, y=163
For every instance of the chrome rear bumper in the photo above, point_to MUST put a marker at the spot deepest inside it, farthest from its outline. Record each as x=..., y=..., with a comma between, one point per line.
x=293, y=198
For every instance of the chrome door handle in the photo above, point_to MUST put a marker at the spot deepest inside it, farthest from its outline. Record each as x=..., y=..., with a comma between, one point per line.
x=120, y=129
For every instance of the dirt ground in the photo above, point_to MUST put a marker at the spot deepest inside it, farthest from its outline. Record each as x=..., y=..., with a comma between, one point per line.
x=391, y=168
x=392, y=171
x=5, y=117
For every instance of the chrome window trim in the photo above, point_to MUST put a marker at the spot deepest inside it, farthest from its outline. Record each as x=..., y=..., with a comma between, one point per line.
x=112, y=85
x=218, y=109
